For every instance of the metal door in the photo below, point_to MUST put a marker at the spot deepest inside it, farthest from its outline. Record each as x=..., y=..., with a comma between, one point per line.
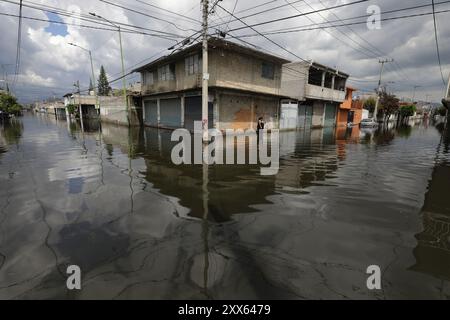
x=193, y=112
x=304, y=116
x=170, y=112
x=151, y=112
x=330, y=115
x=289, y=115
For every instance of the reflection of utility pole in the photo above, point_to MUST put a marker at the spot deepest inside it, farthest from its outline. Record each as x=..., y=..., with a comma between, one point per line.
x=80, y=110
x=379, y=86
x=205, y=71
x=205, y=227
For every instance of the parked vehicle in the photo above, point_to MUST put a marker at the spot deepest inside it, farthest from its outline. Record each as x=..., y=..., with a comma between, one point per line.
x=369, y=123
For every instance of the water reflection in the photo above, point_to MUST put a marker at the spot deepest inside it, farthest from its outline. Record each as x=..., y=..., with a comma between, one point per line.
x=432, y=252
x=10, y=133
x=109, y=199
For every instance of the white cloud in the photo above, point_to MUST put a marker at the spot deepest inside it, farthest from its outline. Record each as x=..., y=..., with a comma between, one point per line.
x=48, y=60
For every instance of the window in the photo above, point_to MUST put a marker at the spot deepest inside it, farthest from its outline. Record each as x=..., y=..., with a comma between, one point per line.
x=268, y=70
x=166, y=72
x=315, y=76
x=148, y=78
x=192, y=64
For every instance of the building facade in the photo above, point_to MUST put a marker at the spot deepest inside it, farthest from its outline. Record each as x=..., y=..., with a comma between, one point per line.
x=315, y=92
x=350, y=111
x=244, y=84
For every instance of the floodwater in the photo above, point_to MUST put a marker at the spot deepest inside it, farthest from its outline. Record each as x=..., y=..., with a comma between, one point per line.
x=111, y=201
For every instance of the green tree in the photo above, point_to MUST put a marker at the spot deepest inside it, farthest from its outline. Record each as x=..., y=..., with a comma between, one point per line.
x=442, y=111
x=72, y=109
x=369, y=104
x=407, y=111
x=389, y=104
x=103, y=84
x=8, y=103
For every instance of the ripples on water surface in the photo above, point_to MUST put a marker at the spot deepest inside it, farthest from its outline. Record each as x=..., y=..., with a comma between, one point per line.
x=141, y=227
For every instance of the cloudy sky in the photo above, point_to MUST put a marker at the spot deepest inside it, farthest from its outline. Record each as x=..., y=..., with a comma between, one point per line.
x=49, y=66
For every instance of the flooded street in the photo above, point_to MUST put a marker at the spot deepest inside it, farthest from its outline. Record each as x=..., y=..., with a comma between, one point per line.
x=112, y=202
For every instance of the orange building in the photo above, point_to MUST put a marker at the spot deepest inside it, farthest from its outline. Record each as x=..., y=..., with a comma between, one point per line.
x=349, y=111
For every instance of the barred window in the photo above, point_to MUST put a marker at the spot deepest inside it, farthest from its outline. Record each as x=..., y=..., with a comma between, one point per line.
x=268, y=70
x=192, y=64
x=148, y=78
x=166, y=72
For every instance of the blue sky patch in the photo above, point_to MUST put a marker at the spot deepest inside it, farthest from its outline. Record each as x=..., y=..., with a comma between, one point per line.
x=56, y=29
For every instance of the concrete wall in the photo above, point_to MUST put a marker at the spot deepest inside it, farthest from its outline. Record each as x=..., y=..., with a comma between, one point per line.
x=294, y=79
x=113, y=110
x=342, y=117
x=234, y=70
x=322, y=93
x=318, y=114
x=241, y=111
x=227, y=69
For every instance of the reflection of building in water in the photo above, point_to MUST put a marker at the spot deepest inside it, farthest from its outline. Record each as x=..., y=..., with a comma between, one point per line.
x=432, y=252
x=243, y=185
x=313, y=157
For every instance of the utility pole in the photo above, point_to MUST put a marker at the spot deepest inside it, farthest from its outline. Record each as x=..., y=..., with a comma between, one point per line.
x=414, y=93
x=124, y=84
x=92, y=70
x=205, y=71
x=379, y=86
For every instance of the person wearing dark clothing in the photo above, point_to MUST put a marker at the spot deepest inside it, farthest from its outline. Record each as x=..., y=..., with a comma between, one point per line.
x=260, y=125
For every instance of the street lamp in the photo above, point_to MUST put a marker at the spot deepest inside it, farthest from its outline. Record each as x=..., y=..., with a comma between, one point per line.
x=90, y=57
x=121, y=57
x=92, y=71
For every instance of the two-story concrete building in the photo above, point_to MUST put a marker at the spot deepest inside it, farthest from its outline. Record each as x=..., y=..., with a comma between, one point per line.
x=315, y=93
x=244, y=84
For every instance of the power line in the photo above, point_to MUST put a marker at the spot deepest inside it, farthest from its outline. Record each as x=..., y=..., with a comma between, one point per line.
x=334, y=36
x=295, y=29
x=172, y=12
x=84, y=17
x=267, y=38
x=302, y=14
x=19, y=40
x=437, y=42
x=234, y=8
x=89, y=27
x=342, y=25
x=146, y=15
x=258, y=13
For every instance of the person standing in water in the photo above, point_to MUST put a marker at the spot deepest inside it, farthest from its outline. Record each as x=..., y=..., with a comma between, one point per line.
x=260, y=125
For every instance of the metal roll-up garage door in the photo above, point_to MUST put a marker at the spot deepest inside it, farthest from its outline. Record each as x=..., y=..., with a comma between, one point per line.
x=170, y=112
x=193, y=112
x=305, y=116
x=151, y=112
x=330, y=115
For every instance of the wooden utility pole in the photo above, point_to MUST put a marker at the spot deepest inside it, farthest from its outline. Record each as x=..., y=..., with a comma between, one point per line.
x=379, y=86
x=205, y=75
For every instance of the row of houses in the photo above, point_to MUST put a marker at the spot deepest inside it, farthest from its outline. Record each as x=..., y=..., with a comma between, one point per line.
x=244, y=85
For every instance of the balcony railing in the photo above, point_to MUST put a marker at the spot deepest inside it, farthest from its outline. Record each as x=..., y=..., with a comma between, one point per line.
x=322, y=93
